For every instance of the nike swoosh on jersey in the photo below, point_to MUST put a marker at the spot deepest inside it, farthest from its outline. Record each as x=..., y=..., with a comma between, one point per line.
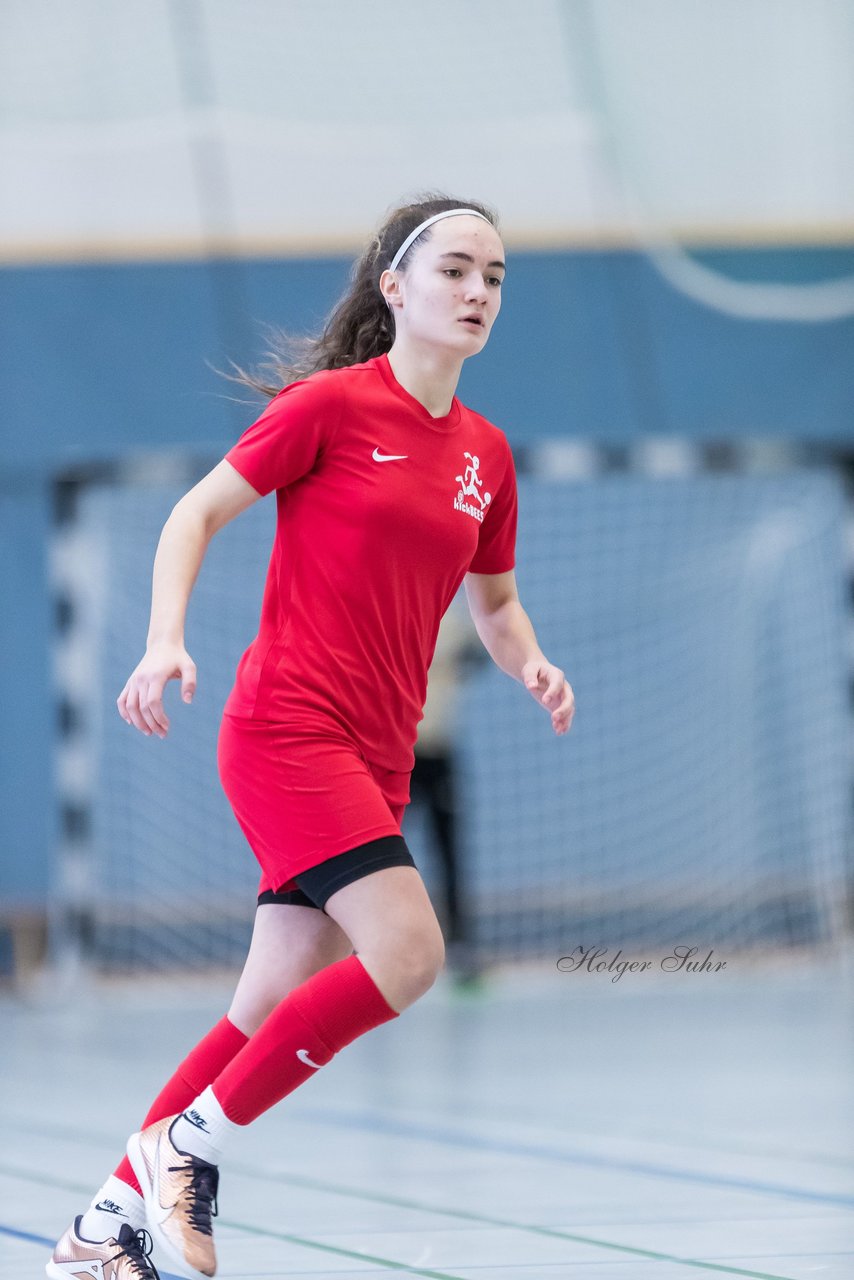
x=388, y=457
x=160, y=1213
x=302, y=1054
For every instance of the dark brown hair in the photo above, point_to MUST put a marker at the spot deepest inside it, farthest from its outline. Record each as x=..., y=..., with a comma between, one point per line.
x=360, y=325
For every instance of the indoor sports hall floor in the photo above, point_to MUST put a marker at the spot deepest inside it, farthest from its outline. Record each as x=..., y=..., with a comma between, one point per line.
x=548, y=1125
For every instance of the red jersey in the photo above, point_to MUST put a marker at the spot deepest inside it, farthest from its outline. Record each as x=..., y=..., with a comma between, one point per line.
x=382, y=510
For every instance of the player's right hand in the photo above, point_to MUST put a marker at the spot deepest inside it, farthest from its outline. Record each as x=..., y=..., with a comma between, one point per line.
x=140, y=703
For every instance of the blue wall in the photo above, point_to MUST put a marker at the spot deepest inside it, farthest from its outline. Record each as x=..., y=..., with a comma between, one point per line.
x=97, y=360
x=27, y=811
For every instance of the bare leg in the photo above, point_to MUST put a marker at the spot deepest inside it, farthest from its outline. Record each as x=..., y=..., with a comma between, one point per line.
x=390, y=921
x=289, y=944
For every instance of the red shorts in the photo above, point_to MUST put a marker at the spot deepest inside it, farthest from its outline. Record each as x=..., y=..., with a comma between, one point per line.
x=303, y=794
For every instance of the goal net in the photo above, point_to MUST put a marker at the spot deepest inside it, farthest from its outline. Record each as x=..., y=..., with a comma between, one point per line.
x=701, y=798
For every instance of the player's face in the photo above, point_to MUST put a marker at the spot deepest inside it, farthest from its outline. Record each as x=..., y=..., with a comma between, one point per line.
x=456, y=274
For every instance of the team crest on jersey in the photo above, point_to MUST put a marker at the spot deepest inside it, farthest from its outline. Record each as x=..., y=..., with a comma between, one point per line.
x=470, y=487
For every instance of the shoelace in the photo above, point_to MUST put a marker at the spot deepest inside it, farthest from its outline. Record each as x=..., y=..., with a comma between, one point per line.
x=137, y=1245
x=202, y=1188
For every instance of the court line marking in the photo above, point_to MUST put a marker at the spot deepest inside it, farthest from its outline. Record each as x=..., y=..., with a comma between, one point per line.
x=276, y=1235
x=673, y=1138
x=267, y=1176
x=412, y=1129
x=357, y=1255
x=600, y=1244
x=16, y=1234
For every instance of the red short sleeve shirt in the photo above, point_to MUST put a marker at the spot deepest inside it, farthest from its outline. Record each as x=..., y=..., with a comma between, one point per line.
x=382, y=510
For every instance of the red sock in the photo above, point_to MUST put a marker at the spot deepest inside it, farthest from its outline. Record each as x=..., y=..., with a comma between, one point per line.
x=304, y=1032
x=202, y=1065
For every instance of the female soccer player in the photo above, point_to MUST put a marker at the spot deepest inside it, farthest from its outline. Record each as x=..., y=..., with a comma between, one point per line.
x=390, y=494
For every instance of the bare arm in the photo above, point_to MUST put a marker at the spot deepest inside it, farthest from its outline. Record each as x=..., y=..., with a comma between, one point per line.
x=220, y=496
x=508, y=637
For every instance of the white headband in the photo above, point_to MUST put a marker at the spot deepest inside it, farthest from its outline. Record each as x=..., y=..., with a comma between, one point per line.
x=413, y=235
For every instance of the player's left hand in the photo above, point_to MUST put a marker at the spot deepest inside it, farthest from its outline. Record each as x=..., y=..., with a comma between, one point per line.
x=551, y=689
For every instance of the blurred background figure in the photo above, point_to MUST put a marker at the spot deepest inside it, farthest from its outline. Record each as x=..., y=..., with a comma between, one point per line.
x=435, y=785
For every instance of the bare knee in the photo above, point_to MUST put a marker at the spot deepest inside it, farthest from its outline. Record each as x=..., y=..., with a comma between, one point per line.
x=405, y=966
x=390, y=921
x=289, y=945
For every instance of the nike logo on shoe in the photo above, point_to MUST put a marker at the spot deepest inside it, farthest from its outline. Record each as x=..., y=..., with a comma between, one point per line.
x=83, y=1267
x=388, y=457
x=195, y=1119
x=302, y=1054
x=110, y=1206
x=159, y=1212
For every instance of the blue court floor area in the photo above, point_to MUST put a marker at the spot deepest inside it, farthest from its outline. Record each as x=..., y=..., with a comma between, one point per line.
x=544, y=1125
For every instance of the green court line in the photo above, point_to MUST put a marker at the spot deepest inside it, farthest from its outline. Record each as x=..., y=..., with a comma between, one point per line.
x=402, y=1203
x=560, y=1235
x=44, y=1181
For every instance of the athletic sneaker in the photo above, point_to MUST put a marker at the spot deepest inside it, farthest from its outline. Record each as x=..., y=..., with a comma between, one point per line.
x=180, y=1198
x=124, y=1259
